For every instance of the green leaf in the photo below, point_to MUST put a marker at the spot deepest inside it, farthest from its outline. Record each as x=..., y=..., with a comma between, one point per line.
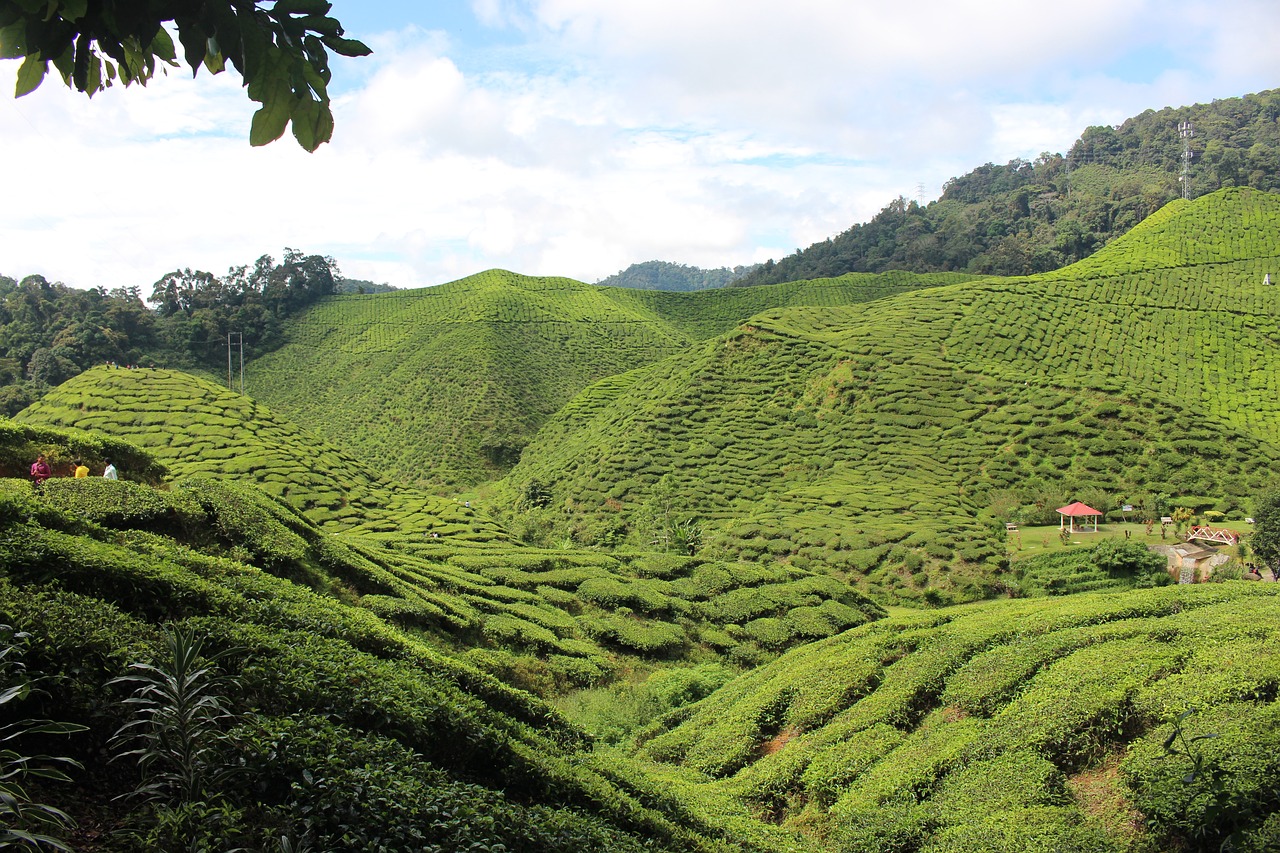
x=194, y=43
x=346, y=47
x=320, y=24
x=162, y=46
x=93, y=82
x=64, y=62
x=302, y=7
x=80, y=71
x=255, y=44
x=30, y=75
x=270, y=121
x=73, y=10
x=312, y=123
x=13, y=40
x=215, y=63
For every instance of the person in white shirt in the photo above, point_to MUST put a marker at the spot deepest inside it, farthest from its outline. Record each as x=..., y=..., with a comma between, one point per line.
x=110, y=472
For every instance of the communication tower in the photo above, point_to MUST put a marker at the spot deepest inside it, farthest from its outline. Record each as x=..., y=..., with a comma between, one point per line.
x=1186, y=130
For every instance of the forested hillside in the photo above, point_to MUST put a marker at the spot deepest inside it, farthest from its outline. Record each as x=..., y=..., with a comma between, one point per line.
x=877, y=439
x=1029, y=217
x=50, y=332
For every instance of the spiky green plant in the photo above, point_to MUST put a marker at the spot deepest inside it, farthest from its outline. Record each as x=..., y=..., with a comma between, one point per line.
x=176, y=733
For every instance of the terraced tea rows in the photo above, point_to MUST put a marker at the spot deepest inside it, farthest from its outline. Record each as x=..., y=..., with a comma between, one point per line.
x=445, y=385
x=331, y=711
x=870, y=438
x=197, y=428
x=548, y=619
x=1000, y=726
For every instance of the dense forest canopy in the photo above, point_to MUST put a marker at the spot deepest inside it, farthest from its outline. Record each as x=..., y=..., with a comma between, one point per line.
x=663, y=275
x=50, y=332
x=1033, y=216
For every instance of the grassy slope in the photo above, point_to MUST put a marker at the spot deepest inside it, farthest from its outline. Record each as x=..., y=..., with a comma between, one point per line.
x=858, y=436
x=413, y=744
x=1001, y=726
x=445, y=385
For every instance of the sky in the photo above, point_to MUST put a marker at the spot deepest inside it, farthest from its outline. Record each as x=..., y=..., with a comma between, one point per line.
x=577, y=137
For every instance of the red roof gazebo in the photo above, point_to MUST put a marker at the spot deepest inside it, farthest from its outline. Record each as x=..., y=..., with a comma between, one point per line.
x=1069, y=513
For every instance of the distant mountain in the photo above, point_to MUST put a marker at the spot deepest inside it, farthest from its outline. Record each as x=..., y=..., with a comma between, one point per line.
x=1029, y=217
x=661, y=275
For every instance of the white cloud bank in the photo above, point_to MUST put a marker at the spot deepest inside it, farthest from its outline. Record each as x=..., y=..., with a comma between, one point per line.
x=712, y=133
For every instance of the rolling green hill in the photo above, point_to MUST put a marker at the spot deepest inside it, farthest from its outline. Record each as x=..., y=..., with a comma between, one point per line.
x=353, y=680
x=872, y=439
x=358, y=666
x=444, y=386
x=195, y=427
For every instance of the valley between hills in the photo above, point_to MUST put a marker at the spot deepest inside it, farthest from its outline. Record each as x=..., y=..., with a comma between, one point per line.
x=521, y=563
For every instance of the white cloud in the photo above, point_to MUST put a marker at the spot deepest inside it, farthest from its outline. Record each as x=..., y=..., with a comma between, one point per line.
x=709, y=133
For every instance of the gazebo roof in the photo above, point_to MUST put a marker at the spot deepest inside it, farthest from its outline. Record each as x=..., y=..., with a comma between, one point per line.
x=1078, y=508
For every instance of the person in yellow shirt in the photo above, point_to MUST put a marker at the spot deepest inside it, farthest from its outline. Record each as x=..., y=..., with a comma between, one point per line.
x=82, y=470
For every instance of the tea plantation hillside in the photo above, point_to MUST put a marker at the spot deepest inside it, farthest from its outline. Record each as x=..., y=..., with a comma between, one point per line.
x=1145, y=721
x=195, y=427
x=872, y=439
x=445, y=385
x=360, y=708
x=548, y=620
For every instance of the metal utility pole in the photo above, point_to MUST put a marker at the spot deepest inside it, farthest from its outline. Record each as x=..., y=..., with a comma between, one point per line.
x=1186, y=130
x=239, y=342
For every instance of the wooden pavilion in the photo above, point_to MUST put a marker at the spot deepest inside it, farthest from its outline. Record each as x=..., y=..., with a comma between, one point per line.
x=1068, y=514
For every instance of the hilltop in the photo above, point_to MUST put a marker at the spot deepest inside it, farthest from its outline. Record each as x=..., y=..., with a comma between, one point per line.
x=875, y=439
x=444, y=386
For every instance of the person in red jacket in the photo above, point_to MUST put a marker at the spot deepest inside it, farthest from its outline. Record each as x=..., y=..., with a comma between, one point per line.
x=40, y=471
